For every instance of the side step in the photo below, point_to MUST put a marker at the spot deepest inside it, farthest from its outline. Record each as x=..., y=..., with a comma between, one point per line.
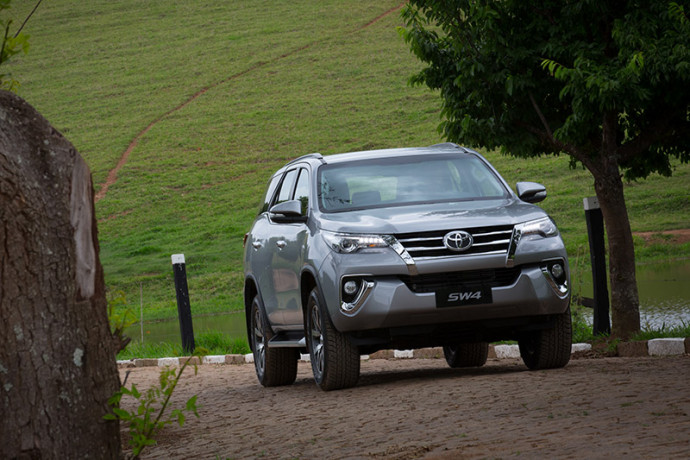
x=288, y=340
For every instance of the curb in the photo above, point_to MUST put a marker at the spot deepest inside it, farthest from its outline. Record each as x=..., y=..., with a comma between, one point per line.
x=654, y=347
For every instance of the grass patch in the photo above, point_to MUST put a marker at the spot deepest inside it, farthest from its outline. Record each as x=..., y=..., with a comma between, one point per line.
x=207, y=343
x=608, y=345
x=582, y=329
x=664, y=332
x=280, y=80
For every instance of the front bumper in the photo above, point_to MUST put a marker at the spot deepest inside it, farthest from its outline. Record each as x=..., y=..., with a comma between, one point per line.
x=387, y=301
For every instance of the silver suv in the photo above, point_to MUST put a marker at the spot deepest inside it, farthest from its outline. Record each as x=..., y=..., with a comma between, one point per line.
x=401, y=248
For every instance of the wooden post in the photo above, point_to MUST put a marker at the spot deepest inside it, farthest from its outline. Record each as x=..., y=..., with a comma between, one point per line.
x=184, y=310
x=597, y=251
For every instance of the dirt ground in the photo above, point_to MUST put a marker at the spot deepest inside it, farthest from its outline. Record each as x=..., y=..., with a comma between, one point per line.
x=419, y=408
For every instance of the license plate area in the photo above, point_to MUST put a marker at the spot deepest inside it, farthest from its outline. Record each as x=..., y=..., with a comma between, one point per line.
x=463, y=295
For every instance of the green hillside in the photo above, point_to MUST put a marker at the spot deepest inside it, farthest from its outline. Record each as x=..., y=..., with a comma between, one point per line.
x=217, y=95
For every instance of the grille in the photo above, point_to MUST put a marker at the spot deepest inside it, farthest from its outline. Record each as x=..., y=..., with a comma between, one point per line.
x=491, y=277
x=487, y=240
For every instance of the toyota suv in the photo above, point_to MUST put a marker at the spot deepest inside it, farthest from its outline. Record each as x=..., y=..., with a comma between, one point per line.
x=401, y=248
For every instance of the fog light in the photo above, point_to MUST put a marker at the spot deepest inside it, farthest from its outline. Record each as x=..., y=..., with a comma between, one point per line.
x=355, y=292
x=350, y=287
x=557, y=271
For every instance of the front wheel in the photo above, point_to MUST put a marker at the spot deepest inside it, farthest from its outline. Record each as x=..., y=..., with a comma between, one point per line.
x=548, y=348
x=466, y=354
x=274, y=366
x=334, y=359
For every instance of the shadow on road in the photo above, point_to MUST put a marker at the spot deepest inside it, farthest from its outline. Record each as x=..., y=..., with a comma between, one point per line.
x=371, y=377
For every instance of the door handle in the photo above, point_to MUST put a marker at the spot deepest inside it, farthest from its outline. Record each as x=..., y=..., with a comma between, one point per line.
x=257, y=245
x=281, y=244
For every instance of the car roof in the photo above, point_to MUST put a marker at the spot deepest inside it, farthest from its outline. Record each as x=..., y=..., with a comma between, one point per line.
x=400, y=152
x=447, y=147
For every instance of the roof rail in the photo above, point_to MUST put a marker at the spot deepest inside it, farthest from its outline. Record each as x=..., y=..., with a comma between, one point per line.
x=317, y=155
x=445, y=145
x=451, y=145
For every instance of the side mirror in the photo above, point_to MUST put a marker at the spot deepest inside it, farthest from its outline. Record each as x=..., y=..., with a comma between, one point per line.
x=288, y=211
x=530, y=192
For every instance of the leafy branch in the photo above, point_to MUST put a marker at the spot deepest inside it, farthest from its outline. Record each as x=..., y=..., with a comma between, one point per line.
x=11, y=45
x=149, y=417
x=120, y=317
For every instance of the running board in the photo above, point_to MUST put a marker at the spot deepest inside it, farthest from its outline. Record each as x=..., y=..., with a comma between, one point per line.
x=282, y=341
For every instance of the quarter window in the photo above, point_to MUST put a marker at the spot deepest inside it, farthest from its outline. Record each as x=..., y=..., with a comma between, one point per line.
x=269, y=193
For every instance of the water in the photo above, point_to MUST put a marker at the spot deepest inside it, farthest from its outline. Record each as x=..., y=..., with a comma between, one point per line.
x=664, y=290
x=664, y=294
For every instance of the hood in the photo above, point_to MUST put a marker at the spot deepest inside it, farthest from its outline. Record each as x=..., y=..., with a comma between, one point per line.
x=430, y=217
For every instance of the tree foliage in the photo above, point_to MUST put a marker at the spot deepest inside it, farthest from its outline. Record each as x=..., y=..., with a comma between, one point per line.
x=607, y=83
x=11, y=45
x=542, y=77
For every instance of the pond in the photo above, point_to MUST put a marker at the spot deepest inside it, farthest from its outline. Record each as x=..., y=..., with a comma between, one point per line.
x=664, y=290
x=664, y=302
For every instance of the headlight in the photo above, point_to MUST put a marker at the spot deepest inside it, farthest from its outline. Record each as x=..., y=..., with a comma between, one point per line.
x=543, y=227
x=346, y=243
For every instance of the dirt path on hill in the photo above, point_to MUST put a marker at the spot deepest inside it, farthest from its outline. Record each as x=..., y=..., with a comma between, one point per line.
x=419, y=408
x=112, y=174
x=680, y=236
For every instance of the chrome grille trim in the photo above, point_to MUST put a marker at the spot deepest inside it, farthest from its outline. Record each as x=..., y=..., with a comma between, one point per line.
x=429, y=245
x=403, y=253
x=501, y=252
x=492, y=243
x=414, y=240
x=422, y=248
x=503, y=232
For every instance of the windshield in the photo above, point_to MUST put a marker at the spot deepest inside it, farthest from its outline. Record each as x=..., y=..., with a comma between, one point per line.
x=406, y=180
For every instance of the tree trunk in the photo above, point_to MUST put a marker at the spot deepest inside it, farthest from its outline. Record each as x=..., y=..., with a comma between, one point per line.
x=57, y=359
x=625, y=303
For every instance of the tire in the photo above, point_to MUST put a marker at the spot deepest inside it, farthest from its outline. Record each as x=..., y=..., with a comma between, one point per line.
x=466, y=354
x=334, y=359
x=548, y=348
x=274, y=366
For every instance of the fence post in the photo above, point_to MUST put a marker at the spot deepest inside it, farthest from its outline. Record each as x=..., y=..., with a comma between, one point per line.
x=597, y=251
x=184, y=310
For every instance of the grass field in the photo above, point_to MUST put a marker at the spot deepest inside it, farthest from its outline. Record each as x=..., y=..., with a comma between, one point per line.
x=217, y=95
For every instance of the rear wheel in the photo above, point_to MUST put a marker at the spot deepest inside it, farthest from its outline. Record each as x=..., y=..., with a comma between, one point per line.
x=274, y=366
x=548, y=348
x=466, y=354
x=334, y=359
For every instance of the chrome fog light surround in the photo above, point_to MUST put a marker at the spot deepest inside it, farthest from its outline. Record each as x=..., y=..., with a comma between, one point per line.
x=354, y=292
x=554, y=272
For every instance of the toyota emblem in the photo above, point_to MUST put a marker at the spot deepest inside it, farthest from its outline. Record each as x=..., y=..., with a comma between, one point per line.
x=458, y=241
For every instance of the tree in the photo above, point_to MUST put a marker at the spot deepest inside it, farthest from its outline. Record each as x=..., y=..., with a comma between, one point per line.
x=57, y=354
x=607, y=83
